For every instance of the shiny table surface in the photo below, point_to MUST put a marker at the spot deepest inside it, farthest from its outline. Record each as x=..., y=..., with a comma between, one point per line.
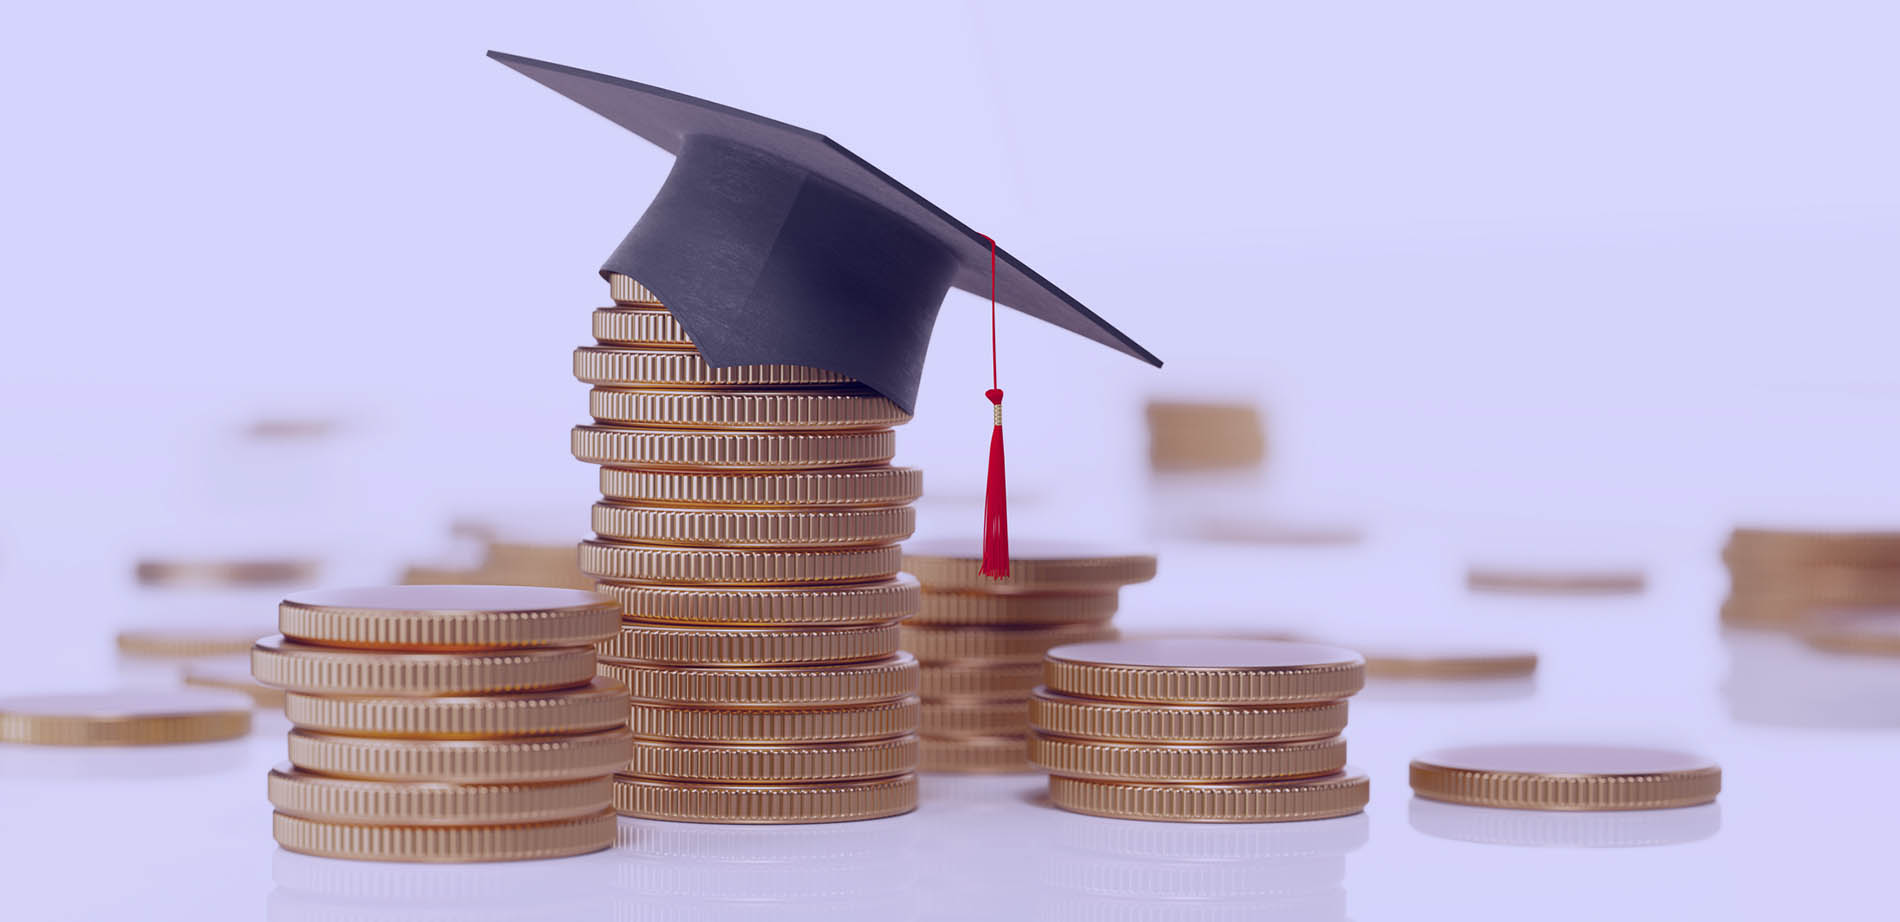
x=1809, y=744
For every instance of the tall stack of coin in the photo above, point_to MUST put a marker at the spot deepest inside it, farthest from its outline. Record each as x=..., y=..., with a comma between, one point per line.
x=445, y=723
x=980, y=641
x=749, y=529
x=1198, y=730
x=1778, y=578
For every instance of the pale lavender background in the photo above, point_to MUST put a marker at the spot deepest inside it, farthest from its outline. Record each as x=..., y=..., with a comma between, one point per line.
x=1607, y=267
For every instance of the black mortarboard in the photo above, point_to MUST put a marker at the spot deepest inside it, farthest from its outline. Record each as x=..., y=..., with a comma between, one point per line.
x=772, y=244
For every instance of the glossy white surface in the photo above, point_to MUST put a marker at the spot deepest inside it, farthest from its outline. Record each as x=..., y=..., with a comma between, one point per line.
x=1808, y=743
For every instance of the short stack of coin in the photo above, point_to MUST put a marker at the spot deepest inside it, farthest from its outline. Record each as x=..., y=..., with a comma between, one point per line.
x=1779, y=578
x=445, y=723
x=1198, y=730
x=749, y=530
x=980, y=641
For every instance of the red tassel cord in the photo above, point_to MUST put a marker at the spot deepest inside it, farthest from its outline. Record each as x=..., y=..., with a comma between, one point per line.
x=995, y=494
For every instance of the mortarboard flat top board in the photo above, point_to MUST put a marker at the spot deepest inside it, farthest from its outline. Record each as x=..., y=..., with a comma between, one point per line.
x=772, y=244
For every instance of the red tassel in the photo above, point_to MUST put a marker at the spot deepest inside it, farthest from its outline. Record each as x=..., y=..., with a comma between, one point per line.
x=996, y=501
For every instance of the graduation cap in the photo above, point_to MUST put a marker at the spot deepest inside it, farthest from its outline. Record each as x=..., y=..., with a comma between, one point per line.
x=772, y=244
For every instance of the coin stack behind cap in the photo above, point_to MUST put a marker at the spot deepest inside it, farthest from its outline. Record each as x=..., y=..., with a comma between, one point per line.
x=445, y=723
x=1198, y=730
x=748, y=527
x=1780, y=578
x=980, y=641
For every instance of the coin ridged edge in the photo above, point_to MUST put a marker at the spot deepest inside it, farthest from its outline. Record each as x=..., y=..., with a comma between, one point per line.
x=787, y=410
x=875, y=720
x=124, y=730
x=999, y=754
x=600, y=705
x=639, y=327
x=1553, y=791
x=977, y=609
x=1163, y=685
x=627, y=290
x=960, y=573
x=332, y=670
x=412, y=803
x=975, y=716
x=976, y=681
x=697, y=646
x=767, y=450
x=765, y=804
x=522, y=760
x=878, y=680
x=882, y=485
x=1074, y=758
x=1342, y=794
x=992, y=643
x=445, y=843
x=1100, y=720
x=656, y=564
x=858, y=603
x=773, y=762
x=160, y=643
x=754, y=528
x=572, y=626
x=621, y=366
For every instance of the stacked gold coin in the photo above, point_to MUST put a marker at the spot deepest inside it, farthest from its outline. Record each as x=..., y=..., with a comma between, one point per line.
x=445, y=723
x=1192, y=436
x=749, y=528
x=980, y=641
x=1778, y=578
x=1198, y=730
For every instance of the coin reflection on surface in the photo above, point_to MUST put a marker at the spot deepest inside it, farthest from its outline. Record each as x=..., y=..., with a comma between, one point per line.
x=1553, y=829
x=833, y=870
x=310, y=889
x=64, y=763
x=1105, y=868
x=1776, y=680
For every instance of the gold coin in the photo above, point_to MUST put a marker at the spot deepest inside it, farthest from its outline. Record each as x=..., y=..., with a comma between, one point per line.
x=1554, y=581
x=975, y=755
x=1120, y=721
x=720, y=566
x=1204, y=671
x=427, y=803
x=1186, y=762
x=659, y=448
x=857, y=603
x=832, y=802
x=427, y=575
x=597, y=705
x=963, y=680
x=627, y=291
x=735, y=528
x=729, y=646
x=952, y=566
x=1873, y=633
x=864, y=486
x=639, y=327
x=232, y=676
x=449, y=617
x=974, y=717
x=1341, y=794
x=773, y=762
x=877, y=720
x=991, y=644
x=1022, y=608
x=791, y=409
x=1818, y=583
x=1566, y=777
x=225, y=573
x=445, y=843
x=124, y=718
x=611, y=366
x=1796, y=547
x=312, y=669
x=724, y=686
x=1196, y=436
x=188, y=642
x=1434, y=661
x=524, y=760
